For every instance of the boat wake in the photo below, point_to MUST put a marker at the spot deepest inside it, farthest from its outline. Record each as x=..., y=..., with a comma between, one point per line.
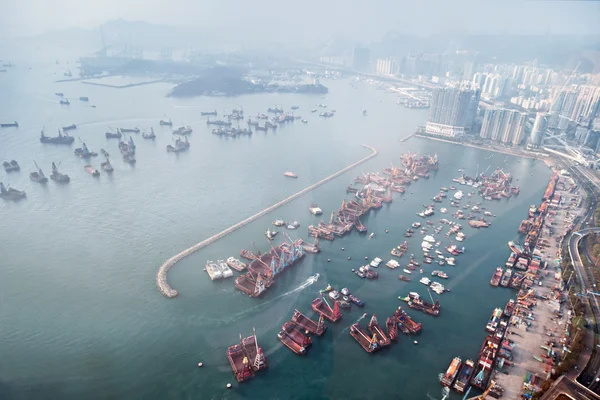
x=445, y=392
x=355, y=322
x=308, y=282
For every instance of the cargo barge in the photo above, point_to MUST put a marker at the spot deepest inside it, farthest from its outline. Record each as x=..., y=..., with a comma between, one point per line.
x=362, y=337
x=239, y=363
x=236, y=264
x=293, y=338
x=306, y=323
x=464, y=376
x=405, y=321
x=417, y=303
x=448, y=378
x=263, y=269
x=494, y=320
x=391, y=328
x=321, y=307
x=60, y=139
x=495, y=281
x=483, y=369
x=374, y=328
x=253, y=352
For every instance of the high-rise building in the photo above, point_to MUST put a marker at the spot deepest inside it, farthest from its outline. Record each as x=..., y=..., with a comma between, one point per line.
x=479, y=79
x=468, y=70
x=539, y=130
x=361, y=58
x=502, y=125
x=386, y=66
x=451, y=112
x=587, y=103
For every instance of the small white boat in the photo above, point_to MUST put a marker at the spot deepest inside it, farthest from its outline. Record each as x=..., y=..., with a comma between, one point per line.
x=425, y=281
x=345, y=291
x=334, y=295
x=407, y=271
x=429, y=239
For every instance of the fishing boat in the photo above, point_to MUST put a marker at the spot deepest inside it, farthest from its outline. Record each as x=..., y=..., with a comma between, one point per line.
x=106, y=165
x=9, y=124
x=60, y=139
x=290, y=174
x=183, y=130
x=10, y=194
x=448, y=378
x=278, y=222
x=38, y=176
x=356, y=300
x=65, y=102
x=166, y=122
x=56, y=176
x=84, y=152
x=150, y=135
x=208, y=113
x=271, y=234
x=91, y=170
x=404, y=278
x=180, y=146
x=236, y=264
x=69, y=127
x=114, y=135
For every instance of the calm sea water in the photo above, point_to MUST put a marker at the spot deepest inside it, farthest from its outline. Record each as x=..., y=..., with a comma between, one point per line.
x=80, y=315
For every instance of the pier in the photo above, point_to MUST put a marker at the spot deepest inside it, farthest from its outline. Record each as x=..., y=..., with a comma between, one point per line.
x=161, y=276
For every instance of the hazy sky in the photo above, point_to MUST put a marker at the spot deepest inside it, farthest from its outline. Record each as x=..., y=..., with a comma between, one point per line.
x=357, y=19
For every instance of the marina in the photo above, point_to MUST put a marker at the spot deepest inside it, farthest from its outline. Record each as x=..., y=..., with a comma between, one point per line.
x=192, y=281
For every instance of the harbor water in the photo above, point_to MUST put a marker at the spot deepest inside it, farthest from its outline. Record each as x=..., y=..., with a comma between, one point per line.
x=81, y=316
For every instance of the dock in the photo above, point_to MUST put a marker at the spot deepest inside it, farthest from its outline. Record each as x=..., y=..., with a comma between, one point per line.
x=161, y=277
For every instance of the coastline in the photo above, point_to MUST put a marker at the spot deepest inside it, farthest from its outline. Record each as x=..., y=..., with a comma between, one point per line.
x=161, y=276
x=493, y=149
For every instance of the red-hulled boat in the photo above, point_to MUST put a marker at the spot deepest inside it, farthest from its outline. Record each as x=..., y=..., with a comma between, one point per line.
x=406, y=321
x=377, y=332
x=391, y=327
x=239, y=363
x=321, y=307
x=359, y=226
x=315, y=328
x=254, y=353
x=293, y=338
x=362, y=337
x=248, y=254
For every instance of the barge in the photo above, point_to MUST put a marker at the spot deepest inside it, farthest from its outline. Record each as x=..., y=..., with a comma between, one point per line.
x=309, y=325
x=464, y=376
x=405, y=321
x=293, y=338
x=239, y=363
x=391, y=328
x=253, y=352
x=374, y=328
x=448, y=378
x=362, y=337
x=60, y=139
x=236, y=264
x=321, y=307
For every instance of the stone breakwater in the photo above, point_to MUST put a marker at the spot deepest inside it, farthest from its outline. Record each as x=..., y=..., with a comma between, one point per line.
x=161, y=276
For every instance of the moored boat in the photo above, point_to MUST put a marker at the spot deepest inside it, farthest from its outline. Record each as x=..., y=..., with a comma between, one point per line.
x=236, y=264
x=448, y=378
x=464, y=376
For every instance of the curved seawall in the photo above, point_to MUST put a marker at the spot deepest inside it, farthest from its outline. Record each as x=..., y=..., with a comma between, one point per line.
x=161, y=276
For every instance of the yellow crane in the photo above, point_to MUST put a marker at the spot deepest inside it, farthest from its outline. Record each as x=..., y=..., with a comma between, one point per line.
x=484, y=394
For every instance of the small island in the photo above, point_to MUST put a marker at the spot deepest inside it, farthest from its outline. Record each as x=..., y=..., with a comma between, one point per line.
x=221, y=81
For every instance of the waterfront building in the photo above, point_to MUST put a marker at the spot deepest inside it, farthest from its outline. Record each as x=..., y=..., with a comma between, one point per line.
x=503, y=125
x=386, y=66
x=539, y=130
x=451, y=112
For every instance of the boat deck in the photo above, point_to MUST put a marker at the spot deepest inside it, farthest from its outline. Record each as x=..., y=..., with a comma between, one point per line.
x=308, y=324
x=321, y=308
x=236, y=357
x=362, y=337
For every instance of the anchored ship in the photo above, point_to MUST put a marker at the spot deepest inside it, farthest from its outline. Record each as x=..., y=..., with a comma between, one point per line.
x=369, y=344
x=448, y=378
x=38, y=176
x=306, y=323
x=11, y=194
x=56, y=176
x=294, y=338
x=60, y=139
x=374, y=328
x=321, y=307
x=464, y=376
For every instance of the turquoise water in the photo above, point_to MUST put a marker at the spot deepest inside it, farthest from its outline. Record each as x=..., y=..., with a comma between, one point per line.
x=80, y=314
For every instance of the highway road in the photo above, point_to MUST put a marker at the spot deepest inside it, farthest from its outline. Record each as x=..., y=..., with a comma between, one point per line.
x=590, y=376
